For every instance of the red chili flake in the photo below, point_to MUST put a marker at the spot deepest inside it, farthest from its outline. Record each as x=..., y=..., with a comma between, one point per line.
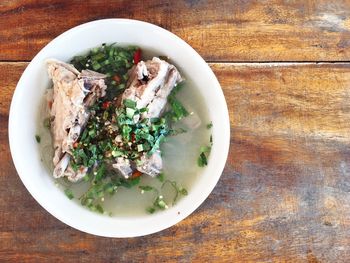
x=75, y=145
x=136, y=174
x=106, y=104
x=50, y=104
x=117, y=79
x=137, y=56
x=133, y=137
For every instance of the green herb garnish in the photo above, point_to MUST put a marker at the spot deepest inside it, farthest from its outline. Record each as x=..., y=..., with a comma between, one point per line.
x=178, y=190
x=47, y=123
x=37, y=138
x=113, y=132
x=202, y=160
x=151, y=209
x=146, y=188
x=129, y=103
x=69, y=193
x=177, y=111
x=161, y=177
x=114, y=61
x=159, y=203
x=99, y=208
x=203, y=156
x=205, y=149
x=100, y=173
x=98, y=145
x=128, y=183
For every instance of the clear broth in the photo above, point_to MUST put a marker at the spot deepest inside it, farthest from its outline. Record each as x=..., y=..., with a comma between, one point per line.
x=180, y=154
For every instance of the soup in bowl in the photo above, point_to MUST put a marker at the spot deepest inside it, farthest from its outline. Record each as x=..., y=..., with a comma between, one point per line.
x=141, y=142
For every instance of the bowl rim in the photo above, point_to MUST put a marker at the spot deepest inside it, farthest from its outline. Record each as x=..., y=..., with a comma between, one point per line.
x=224, y=129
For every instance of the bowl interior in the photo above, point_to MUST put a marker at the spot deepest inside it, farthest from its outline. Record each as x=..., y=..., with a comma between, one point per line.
x=28, y=96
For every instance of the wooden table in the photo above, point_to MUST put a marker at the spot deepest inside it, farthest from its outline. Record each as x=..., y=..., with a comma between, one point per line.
x=284, y=195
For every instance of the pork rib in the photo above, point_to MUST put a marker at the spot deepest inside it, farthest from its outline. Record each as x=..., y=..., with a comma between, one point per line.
x=73, y=93
x=150, y=84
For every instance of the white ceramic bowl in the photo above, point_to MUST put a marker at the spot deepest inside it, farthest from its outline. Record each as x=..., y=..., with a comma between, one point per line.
x=26, y=102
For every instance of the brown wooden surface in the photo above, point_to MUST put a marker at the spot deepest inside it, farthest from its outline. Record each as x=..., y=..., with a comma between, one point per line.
x=236, y=30
x=284, y=195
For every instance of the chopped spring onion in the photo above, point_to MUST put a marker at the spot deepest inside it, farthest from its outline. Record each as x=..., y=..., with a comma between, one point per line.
x=129, y=103
x=139, y=147
x=130, y=112
x=110, y=60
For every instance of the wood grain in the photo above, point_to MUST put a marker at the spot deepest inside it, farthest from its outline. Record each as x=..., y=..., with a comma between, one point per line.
x=284, y=195
x=273, y=30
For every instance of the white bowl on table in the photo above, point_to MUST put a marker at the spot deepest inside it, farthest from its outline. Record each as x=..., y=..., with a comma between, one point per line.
x=24, y=115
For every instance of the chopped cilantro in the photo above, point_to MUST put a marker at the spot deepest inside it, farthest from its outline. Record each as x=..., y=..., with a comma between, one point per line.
x=69, y=193
x=99, y=209
x=204, y=153
x=151, y=210
x=202, y=160
x=128, y=183
x=205, y=149
x=183, y=191
x=178, y=190
x=100, y=173
x=161, y=177
x=177, y=111
x=37, y=138
x=86, y=178
x=146, y=188
x=157, y=144
x=74, y=166
x=47, y=123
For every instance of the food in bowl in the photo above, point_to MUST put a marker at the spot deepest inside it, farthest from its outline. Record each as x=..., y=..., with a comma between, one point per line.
x=201, y=94
x=119, y=123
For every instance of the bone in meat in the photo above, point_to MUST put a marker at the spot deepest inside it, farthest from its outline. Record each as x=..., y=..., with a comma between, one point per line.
x=73, y=92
